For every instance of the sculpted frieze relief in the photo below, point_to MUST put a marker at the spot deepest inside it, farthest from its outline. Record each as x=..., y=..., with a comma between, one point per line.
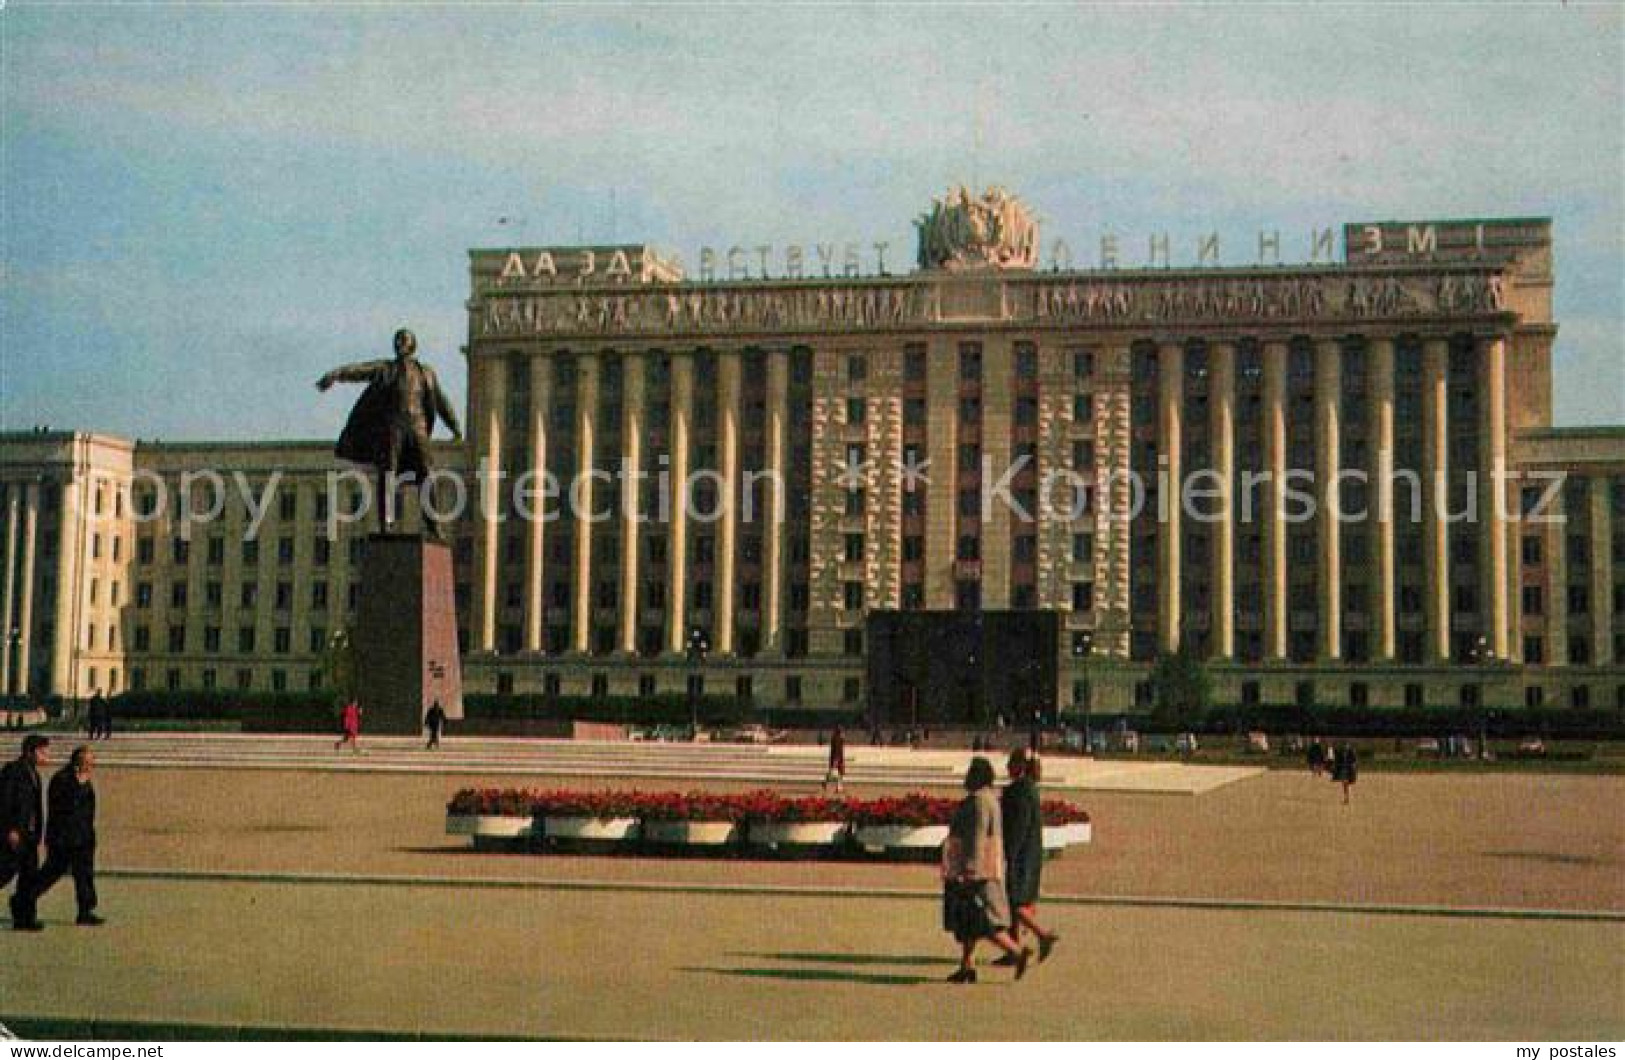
x=1082, y=300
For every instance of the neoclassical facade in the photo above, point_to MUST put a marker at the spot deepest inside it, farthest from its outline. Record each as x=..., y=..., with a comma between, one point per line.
x=1335, y=483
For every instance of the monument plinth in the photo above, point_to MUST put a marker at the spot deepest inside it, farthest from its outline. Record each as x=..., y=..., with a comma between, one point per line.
x=406, y=633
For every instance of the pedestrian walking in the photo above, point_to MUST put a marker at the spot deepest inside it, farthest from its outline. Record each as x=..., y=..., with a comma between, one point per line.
x=1023, y=821
x=1317, y=757
x=835, y=775
x=70, y=835
x=974, y=903
x=435, y=720
x=22, y=823
x=350, y=727
x=1345, y=768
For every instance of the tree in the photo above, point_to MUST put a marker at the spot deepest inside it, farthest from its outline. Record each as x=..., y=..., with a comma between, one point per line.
x=1180, y=690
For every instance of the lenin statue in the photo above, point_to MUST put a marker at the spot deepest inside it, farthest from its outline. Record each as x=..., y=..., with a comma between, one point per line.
x=390, y=425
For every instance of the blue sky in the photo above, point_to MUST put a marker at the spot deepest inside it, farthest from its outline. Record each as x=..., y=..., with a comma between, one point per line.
x=205, y=206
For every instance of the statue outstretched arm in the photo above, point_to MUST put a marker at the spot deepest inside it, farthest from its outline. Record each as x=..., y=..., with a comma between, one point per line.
x=443, y=409
x=360, y=372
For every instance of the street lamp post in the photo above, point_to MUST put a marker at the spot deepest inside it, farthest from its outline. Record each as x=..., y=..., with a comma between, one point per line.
x=1083, y=645
x=698, y=646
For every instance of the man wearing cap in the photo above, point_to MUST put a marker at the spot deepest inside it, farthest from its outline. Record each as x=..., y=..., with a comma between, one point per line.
x=22, y=821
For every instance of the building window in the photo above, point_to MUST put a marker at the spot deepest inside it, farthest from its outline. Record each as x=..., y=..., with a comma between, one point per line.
x=1251, y=695
x=1083, y=364
x=1026, y=360
x=245, y=639
x=1413, y=696
x=914, y=362
x=854, y=548
x=1580, y=697
x=1083, y=596
x=177, y=639
x=792, y=689
x=857, y=368
x=851, y=690
x=856, y=411
x=600, y=686
x=1534, y=697
x=970, y=361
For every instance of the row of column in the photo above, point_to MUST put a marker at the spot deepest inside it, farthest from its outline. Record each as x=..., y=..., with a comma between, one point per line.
x=1328, y=448
x=17, y=587
x=493, y=398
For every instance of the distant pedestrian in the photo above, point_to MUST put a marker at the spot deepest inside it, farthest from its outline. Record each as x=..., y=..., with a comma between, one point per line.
x=435, y=720
x=1317, y=757
x=1345, y=768
x=70, y=835
x=835, y=776
x=1023, y=821
x=22, y=824
x=350, y=727
x=975, y=905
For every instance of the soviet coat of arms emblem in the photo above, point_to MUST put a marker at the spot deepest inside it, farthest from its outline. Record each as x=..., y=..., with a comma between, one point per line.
x=965, y=231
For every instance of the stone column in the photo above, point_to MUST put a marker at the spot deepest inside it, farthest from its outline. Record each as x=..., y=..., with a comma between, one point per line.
x=1602, y=570
x=8, y=592
x=682, y=407
x=493, y=405
x=1381, y=365
x=631, y=499
x=1170, y=398
x=1556, y=545
x=25, y=605
x=942, y=488
x=1222, y=430
x=69, y=554
x=541, y=405
x=581, y=496
x=1275, y=584
x=1329, y=460
x=778, y=402
x=1435, y=497
x=1492, y=447
x=728, y=387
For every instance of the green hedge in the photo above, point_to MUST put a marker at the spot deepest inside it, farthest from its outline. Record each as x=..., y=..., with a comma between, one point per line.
x=1556, y=723
x=666, y=709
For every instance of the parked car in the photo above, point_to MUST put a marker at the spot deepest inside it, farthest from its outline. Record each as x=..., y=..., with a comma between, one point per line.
x=1428, y=746
x=1258, y=743
x=1534, y=745
x=1186, y=743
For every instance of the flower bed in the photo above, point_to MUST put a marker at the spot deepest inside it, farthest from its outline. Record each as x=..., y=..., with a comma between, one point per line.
x=899, y=824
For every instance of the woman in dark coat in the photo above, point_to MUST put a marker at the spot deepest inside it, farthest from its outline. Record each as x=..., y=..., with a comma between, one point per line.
x=974, y=903
x=1023, y=821
x=1345, y=769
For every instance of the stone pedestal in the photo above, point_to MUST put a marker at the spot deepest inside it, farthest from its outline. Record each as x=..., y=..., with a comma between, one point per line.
x=406, y=634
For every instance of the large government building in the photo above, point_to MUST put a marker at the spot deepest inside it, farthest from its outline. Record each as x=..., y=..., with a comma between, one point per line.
x=987, y=482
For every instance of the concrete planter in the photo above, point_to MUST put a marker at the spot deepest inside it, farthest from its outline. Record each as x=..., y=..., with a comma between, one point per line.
x=490, y=826
x=796, y=833
x=690, y=833
x=603, y=829
x=877, y=837
x=1061, y=836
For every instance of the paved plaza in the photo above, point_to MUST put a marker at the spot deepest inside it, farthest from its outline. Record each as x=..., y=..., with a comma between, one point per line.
x=245, y=899
x=539, y=961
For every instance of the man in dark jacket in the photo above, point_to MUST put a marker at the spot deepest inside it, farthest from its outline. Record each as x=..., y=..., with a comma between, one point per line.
x=1024, y=847
x=70, y=835
x=22, y=820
